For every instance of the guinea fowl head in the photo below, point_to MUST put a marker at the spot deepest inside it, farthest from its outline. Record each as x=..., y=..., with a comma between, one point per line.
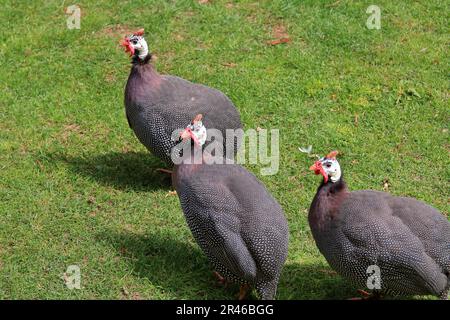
x=328, y=167
x=195, y=131
x=136, y=45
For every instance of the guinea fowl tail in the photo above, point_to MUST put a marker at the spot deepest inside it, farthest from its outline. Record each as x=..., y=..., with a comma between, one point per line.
x=267, y=290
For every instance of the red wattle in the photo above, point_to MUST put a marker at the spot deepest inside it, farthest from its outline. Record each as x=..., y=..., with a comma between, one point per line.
x=128, y=47
x=325, y=175
x=318, y=169
x=191, y=134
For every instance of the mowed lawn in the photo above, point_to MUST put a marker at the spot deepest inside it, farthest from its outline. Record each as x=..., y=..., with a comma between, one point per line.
x=77, y=188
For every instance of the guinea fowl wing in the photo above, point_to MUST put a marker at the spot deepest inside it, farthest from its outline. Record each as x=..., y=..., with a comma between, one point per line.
x=152, y=130
x=374, y=236
x=178, y=96
x=229, y=201
x=428, y=224
x=264, y=226
x=158, y=110
x=218, y=110
x=176, y=89
x=215, y=224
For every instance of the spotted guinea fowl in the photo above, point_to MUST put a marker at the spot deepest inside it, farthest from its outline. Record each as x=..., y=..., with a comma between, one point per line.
x=156, y=105
x=236, y=222
x=408, y=240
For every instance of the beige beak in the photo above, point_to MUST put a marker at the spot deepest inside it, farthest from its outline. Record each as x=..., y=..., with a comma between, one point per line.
x=197, y=118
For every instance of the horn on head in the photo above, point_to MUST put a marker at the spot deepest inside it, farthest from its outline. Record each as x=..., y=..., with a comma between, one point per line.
x=140, y=32
x=332, y=155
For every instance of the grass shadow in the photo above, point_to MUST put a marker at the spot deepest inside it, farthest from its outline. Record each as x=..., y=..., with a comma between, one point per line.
x=182, y=269
x=313, y=281
x=179, y=267
x=131, y=170
x=319, y=282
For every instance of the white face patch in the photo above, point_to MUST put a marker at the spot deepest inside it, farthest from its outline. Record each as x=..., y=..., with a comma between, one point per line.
x=332, y=168
x=199, y=130
x=139, y=44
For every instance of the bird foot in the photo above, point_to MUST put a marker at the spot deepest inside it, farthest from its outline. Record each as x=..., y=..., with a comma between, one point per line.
x=164, y=170
x=243, y=292
x=366, y=295
x=219, y=279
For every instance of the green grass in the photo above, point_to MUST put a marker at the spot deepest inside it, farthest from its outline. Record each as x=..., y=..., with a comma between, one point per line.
x=76, y=187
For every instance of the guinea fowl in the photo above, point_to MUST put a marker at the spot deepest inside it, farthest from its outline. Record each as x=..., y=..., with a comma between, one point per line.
x=408, y=240
x=156, y=105
x=236, y=222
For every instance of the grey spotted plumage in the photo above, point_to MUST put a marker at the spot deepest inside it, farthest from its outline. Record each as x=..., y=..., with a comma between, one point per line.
x=236, y=222
x=156, y=105
x=408, y=240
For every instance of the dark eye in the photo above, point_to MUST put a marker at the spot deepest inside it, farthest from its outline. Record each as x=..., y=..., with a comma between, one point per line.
x=134, y=41
x=328, y=165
